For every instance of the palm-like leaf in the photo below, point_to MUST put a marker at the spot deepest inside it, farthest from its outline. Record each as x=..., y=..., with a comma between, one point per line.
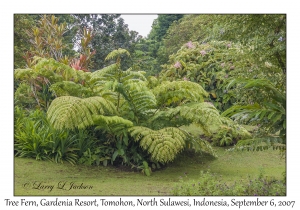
x=260, y=144
x=270, y=113
x=268, y=87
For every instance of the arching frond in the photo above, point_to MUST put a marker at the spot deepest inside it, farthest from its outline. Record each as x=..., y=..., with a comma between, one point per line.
x=106, y=74
x=236, y=128
x=129, y=88
x=112, y=73
x=72, y=112
x=152, y=81
x=45, y=66
x=117, y=53
x=53, y=70
x=23, y=74
x=113, y=124
x=163, y=145
x=203, y=115
x=200, y=145
x=138, y=96
x=179, y=92
x=129, y=75
x=69, y=88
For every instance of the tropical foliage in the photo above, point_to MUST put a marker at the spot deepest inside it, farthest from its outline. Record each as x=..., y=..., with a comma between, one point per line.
x=234, y=69
x=118, y=98
x=269, y=112
x=210, y=184
x=128, y=111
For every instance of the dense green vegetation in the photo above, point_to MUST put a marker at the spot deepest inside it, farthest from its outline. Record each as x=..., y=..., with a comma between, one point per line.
x=87, y=90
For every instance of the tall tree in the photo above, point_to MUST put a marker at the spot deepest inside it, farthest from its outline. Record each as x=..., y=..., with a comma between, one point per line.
x=160, y=27
x=22, y=22
x=110, y=33
x=162, y=24
x=152, y=46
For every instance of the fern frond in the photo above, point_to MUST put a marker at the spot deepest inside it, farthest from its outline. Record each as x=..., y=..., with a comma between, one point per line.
x=163, y=145
x=45, y=66
x=72, y=112
x=23, y=74
x=152, y=81
x=169, y=93
x=112, y=124
x=106, y=74
x=198, y=144
x=53, y=70
x=129, y=75
x=69, y=88
x=138, y=96
x=236, y=128
x=201, y=145
x=203, y=115
x=112, y=73
x=117, y=53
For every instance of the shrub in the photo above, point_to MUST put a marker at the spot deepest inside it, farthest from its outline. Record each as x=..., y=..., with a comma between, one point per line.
x=35, y=138
x=211, y=185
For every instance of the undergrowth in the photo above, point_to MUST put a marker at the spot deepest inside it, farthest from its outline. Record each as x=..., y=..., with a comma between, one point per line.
x=210, y=184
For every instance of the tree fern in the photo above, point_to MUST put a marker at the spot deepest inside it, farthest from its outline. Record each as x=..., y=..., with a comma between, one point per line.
x=179, y=92
x=71, y=112
x=128, y=89
x=113, y=73
x=163, y=145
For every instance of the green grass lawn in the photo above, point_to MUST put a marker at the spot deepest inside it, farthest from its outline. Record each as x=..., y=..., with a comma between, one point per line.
x=38, y=177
